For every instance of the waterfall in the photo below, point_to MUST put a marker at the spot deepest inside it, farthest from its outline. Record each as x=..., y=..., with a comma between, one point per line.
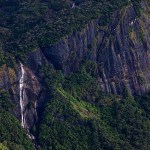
x=30, y=135
x=73, y=5
x=21, y=83
x=35, y=107
x=22, y=102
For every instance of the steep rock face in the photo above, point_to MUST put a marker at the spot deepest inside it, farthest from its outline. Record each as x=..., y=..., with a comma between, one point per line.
x=68, y=53
x=32, y=93
x=10, y=81
x=120, y=50
x=125, y=55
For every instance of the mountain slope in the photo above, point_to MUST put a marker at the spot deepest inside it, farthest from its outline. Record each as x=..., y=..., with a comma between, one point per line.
x=71, y=121
x=77, y=73
x=11, y=133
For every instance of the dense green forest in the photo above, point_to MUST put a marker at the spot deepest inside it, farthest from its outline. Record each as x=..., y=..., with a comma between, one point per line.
x=12, y=136
x=27, y=25
x=78, y=115
x=71, y=120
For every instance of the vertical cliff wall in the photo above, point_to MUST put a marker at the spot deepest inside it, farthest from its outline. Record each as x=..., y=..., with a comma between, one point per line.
x=120, y=50
x=24, y=89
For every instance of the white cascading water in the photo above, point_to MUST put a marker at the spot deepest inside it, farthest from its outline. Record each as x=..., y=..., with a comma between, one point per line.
x=22, y=106
x=73, y=5
x=21, y=83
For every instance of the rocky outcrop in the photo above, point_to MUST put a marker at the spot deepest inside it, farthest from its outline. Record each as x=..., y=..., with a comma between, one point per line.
x=121, y=51
x=128, y=51
x=68, y=53
x=25, y=88
x=10, y=81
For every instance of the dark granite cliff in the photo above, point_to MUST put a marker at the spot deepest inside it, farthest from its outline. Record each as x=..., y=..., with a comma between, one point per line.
x=120, y=52
x=32, y=90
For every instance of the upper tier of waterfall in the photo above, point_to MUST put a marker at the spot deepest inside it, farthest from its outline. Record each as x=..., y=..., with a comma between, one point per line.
x=21, y=85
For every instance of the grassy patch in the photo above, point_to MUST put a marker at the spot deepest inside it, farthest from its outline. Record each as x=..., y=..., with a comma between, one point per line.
x=85, y=110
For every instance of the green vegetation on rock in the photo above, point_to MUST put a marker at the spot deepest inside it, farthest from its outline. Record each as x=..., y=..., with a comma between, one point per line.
x=12, y=136
x=73, y=120
x=28, y=25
